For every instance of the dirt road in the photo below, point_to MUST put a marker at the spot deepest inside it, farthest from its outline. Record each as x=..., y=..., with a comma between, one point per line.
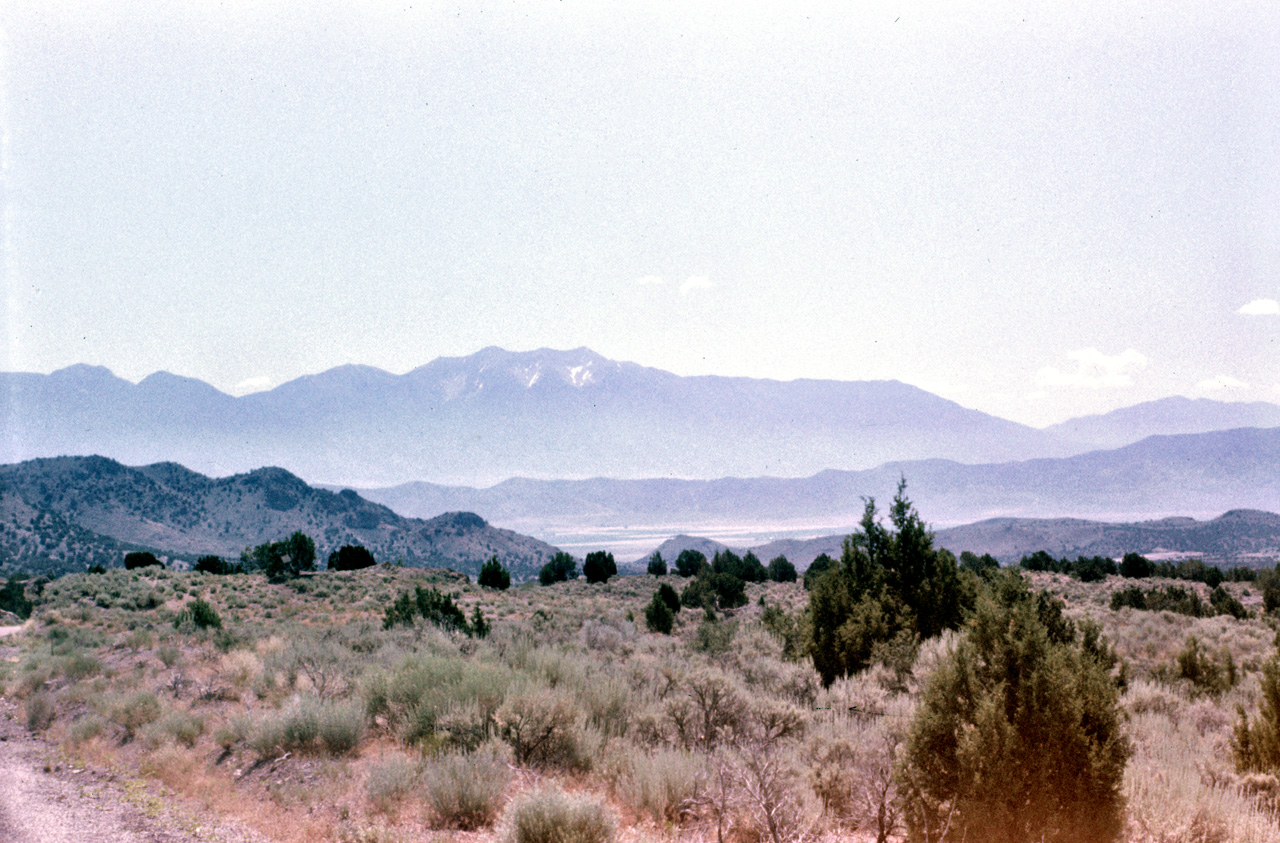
x=45, y=801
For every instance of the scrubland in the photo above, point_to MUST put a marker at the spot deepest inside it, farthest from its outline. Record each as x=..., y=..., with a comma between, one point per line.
x=299, y=714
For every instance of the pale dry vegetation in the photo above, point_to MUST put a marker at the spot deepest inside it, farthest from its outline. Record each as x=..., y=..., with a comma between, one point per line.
x=570, y=721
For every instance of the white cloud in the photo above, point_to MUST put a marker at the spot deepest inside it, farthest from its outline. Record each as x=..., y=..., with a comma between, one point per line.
x=1094, y=370
x=1261, y=307
x=1221, y=382
x=696, y=282
x=248, y=385
x=650, y=281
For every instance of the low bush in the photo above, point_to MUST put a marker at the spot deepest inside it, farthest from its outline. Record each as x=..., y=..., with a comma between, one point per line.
x=86, y=728
x=465, y=791
x=661, y=784
x=136, y=711
x=41, y=712
x=197, y=615
x=181, y=727
x=542, y=726
x=309, y=726
x=549, y=815
x=390, y=780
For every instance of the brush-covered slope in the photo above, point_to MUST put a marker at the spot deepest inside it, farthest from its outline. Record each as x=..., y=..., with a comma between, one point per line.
x=38, y=540
x=170, y=507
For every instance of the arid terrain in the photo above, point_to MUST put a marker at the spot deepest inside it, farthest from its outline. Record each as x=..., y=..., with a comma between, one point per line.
x=301, y=718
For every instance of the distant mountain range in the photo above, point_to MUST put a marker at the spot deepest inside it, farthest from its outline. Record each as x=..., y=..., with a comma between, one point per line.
x=498, y=414
x=1191, y=474
x=70, y=512
x=553, y=414
x=1168, y=416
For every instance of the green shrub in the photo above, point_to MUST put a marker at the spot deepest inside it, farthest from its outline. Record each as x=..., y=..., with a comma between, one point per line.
x=599, y=566
x=658, y=616
x=1135, y=566
x=141, y=559
x=1256, y=741
x=214, y=565
x=1224, y=604
x=889, y=582
x=823, y=564
x=1017, y=737
x=715, y=637
x=494, y=575
x=400, y=613
x=465, y=791
x=549, y=815
x=781, y=570
x=351, y=557
x=1206, y=674
x=787, y=629
x=657, y=565
x=690, y=562
x=13, y=598
x=197, y=615
x=561, y=568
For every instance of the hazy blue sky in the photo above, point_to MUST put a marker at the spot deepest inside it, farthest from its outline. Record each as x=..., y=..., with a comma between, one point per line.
x=1038, y=210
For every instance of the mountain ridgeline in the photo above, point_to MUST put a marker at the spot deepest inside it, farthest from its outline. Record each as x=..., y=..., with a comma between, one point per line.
x=1193, y=474
x=497, y=414
x=68, y=513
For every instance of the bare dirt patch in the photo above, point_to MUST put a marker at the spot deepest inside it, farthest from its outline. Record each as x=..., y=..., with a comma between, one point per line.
x=44, y=799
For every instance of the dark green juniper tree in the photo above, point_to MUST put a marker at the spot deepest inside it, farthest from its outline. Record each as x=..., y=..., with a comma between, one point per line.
x=1018, y=736
x=889, y=584
x=494, y=575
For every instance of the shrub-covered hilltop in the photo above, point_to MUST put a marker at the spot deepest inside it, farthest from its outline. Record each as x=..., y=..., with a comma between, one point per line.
x=68, y=514
x=895, y=693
